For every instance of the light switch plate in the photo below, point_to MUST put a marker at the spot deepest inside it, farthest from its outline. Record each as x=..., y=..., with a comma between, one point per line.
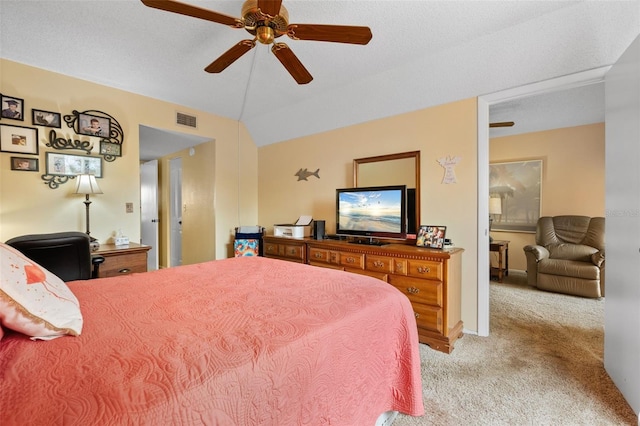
x=129, y=207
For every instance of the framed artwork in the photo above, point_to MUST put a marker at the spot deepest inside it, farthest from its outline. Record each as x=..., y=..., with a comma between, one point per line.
x=45, y=118
x=109, y=148
x=24, y=164
x=92, y=125
x=518, y=186
x=18, y=139
x=12, y=107
x=431, y=236
x=72, y=165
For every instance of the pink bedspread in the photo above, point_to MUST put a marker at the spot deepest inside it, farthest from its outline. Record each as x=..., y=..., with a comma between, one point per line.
x=242, y=341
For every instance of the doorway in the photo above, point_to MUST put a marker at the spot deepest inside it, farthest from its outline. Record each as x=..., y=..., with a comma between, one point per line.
x=484, y=102
x=175, y=212
x=156, y=145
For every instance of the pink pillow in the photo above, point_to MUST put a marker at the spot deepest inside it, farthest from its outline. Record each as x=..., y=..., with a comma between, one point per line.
x=34, y=301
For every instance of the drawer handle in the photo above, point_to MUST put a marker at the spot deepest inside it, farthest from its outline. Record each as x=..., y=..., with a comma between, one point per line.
x=293, y=251
x=378, y=264
x=417, y=315
x=424, y=270
x=318, y=255
x=334, y=257
x=124, y=271
x=413, y=290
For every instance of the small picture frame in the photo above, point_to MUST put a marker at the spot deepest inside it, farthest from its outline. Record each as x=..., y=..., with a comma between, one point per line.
x=431, y=236
x=72, y=165
x=24, y=164
x=12, y=107
x=109, y=148
x=92, y=125
x=45, y=118
x=18, y=139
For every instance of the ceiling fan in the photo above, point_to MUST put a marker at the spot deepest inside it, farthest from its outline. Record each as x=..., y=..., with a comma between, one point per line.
x=502, y=124
x=267, y=20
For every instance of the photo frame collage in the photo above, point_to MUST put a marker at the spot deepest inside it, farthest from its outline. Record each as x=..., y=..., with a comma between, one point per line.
x=18, y=139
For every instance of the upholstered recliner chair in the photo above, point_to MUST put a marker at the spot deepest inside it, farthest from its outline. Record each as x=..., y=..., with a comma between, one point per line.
x=568, y=256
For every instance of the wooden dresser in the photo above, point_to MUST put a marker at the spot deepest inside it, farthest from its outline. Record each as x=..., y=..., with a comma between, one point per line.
x=122, y=260
x=431, y=279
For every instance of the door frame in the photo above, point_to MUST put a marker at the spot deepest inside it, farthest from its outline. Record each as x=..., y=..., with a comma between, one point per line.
x=566, y=82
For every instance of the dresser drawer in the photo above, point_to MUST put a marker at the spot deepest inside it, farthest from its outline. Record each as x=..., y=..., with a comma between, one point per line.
x=123, y=264
x=427, y=292
x=271, y=249
x=317, y=255
x=351, y=260
x=293, y=251
x=379, y=264
x=424, y=269
x=428, y=317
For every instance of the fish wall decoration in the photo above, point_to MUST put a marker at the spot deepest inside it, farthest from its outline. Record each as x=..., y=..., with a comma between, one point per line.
x=303, y=174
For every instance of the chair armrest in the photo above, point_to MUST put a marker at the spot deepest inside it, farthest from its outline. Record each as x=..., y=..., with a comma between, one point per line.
x=538, y=252
x=598, y=258
x=96, y=261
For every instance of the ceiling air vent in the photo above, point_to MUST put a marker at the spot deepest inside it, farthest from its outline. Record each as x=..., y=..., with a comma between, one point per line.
x=186, y=120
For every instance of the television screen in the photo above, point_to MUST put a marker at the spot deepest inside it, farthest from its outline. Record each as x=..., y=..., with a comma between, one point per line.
x=379, y=211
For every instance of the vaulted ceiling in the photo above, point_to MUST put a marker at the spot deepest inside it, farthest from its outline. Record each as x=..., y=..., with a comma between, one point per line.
x=423, y=53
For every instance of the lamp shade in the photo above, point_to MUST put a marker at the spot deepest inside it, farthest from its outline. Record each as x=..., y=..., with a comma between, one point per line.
x=495, y=206
x=87, y=184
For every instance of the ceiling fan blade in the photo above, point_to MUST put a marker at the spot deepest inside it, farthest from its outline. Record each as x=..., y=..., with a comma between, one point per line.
x=194, y=11
x=270, y=7
x=333, y=33
x=230, y=56
x=502, y=124
x=291, y=63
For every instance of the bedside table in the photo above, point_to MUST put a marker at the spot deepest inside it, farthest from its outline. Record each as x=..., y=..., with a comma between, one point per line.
x=122, y=260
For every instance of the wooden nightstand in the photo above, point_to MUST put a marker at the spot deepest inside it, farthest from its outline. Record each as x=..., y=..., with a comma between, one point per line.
x=122, y=260
x=502, y=248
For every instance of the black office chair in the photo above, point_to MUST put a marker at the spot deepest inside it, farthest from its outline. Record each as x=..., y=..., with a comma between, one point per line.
x=65, y=254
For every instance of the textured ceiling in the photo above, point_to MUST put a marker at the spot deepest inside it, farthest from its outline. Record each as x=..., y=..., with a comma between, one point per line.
x=423, y=53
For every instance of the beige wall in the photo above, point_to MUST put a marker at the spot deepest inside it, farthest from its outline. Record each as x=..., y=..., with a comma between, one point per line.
x=573, y=179
x=29, y=206
x=447, y=130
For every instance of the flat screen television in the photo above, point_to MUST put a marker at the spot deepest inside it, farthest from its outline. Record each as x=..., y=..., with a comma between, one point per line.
x=375, y=211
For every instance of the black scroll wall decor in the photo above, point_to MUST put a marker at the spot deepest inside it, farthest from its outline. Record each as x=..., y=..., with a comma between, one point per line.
x=89, y=123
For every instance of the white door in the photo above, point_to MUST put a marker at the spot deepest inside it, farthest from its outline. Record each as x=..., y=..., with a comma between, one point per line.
x=622, y=235
x=149, y=211
x=175, y=211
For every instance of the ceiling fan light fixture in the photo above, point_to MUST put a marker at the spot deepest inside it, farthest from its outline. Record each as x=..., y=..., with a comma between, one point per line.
x=265, y=34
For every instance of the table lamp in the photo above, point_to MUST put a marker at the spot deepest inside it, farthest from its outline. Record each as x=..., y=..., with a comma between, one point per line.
x=88, y=185
x=495, y=207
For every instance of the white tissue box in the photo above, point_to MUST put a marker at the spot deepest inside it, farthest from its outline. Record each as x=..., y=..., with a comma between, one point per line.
x=121, y=241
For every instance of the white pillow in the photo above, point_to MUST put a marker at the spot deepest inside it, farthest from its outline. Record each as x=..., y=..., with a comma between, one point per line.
x=34, y=301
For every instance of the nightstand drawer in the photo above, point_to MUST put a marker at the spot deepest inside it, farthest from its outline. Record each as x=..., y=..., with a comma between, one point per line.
x=123, y=265
x=122, y=260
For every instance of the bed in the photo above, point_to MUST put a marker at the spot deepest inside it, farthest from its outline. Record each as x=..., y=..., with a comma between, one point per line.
x=240, y=341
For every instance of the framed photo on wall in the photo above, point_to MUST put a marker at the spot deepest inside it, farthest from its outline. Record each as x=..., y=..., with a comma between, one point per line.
x=92, y=125
x=518, y=186
x=73, y=165
x=431, y=236
x=18, y=139
x=45, y=118
x=12, y=107
x=24, y=164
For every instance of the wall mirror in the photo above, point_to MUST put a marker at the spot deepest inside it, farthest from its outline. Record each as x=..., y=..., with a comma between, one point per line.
x=393, y=169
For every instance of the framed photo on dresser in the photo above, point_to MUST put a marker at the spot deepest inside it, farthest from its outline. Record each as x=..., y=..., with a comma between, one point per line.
x=431, y=236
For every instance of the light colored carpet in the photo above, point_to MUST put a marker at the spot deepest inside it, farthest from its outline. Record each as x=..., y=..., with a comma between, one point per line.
x=541, y=365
